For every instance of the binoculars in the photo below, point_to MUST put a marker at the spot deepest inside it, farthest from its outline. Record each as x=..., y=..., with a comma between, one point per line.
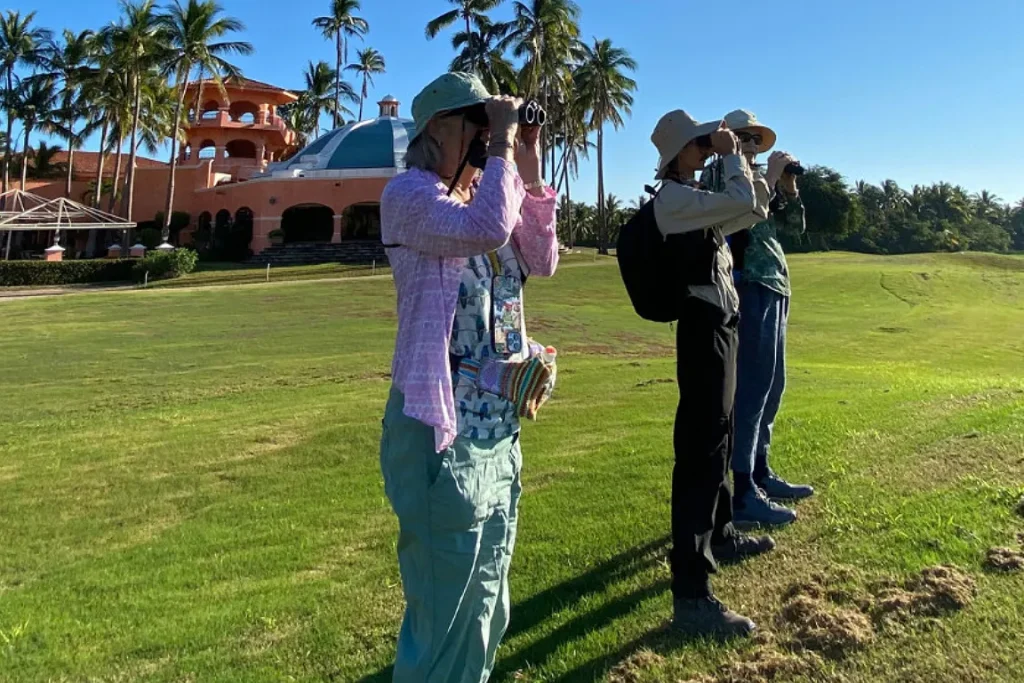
x=532, y=114
x=794, y=169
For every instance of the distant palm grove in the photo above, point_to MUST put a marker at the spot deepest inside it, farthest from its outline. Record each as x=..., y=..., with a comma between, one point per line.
x=127, y=82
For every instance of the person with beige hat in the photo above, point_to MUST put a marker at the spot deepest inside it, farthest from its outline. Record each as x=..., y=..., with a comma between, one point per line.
x=694, y=223
x=762, y=280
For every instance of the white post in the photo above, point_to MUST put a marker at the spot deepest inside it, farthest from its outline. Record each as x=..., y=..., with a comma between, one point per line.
x=374, y=267
x=268, y=272
x=145, y=280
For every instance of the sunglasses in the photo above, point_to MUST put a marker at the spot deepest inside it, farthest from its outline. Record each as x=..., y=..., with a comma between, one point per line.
x=475, y=114
x=750, y=137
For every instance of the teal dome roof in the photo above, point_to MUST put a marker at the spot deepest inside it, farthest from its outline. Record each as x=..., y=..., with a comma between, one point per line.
x=364, y=149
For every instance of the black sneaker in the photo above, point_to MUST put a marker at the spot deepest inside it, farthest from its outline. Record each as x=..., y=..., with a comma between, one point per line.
x=709, y=617
x=740, y=546
x=777, y=487
x=757, y=509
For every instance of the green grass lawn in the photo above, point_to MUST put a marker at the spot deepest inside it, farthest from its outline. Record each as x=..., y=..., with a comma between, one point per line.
x=190, y=491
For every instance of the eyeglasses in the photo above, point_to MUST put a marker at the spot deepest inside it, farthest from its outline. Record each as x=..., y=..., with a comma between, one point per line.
x=750, y=137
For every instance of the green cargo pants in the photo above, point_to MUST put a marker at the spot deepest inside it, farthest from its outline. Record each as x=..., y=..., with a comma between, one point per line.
x=457, y=528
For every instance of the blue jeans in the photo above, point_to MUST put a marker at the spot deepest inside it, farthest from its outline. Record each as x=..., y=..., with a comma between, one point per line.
x=761, y=377
x=457, y=518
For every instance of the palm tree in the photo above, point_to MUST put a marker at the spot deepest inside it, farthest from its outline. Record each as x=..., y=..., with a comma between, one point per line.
x=71, y=63
x=301, y=119
x=370, y=62
x=545, y=35
x=42, y=161
x=341, y=24
x=140, y=43
x=316, y=97
x=21, y=44
x=895, y=199
x=101, y=97
x=472, y=12
x=480, y=53
x=36, y=106
x=117, y=101
x=605, y=89
x=986, y=205
x=572, y=136
x=194, y=31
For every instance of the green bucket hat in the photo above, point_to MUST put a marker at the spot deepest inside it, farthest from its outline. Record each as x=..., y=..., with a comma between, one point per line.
x=450, y=91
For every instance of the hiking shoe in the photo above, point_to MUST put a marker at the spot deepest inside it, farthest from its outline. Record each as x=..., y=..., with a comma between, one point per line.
x=740, y=546
x=754, y=508
x=709, y=617
x=775, y=486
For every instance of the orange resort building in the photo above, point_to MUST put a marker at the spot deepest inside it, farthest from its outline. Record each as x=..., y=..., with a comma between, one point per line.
x=242, y=177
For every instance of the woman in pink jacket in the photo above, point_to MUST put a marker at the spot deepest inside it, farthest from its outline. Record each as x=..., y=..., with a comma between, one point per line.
x=461, y=244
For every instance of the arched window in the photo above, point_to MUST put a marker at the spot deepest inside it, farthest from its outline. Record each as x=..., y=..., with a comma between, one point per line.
x=207, y=150
x=241, y=149
x=243, y=112
x=210, y=110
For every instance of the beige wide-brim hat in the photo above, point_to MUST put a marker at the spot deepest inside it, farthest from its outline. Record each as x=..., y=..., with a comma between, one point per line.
x=746, y=121
x=673, y=132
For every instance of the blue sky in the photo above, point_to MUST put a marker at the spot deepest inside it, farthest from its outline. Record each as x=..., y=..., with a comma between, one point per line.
x=914, y=90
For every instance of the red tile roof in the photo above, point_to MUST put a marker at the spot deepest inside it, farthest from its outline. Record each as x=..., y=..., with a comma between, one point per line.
x=86, y=163
x=243, y=82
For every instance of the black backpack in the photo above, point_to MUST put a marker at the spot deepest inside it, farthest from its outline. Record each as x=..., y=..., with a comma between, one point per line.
x=658, y=271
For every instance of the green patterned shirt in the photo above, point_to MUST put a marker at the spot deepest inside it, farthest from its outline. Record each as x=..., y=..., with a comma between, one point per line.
x=764, y=261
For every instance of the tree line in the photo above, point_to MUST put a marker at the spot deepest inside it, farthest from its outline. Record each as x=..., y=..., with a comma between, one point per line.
x=128, y=81
x=867, y=218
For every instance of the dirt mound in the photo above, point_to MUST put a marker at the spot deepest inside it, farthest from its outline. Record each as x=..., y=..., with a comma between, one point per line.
x=1004, y=560
x=936, y=591
x=821, y=627
x=629, y=670
x=765, y=666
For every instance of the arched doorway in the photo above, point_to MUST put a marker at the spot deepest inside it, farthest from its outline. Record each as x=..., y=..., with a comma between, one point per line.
x=202, y=236
x=361, y=222
x=308, y=223
x=242, y=232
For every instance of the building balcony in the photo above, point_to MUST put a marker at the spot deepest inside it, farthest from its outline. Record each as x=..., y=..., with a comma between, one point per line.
x=223, y=121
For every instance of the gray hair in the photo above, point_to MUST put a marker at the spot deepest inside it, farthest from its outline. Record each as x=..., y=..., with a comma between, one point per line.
x=423, y=153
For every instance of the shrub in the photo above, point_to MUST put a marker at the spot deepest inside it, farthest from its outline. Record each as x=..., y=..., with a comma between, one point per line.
x=36, y=273
x=150, y=237
x=170, y=264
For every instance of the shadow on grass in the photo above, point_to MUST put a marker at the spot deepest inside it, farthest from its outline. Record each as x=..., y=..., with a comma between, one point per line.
x=534, y=611
x=537, y=654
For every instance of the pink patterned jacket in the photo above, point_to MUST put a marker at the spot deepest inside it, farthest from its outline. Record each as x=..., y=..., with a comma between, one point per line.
x=436, y=235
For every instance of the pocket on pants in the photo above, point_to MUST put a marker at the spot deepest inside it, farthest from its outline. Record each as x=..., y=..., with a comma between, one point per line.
x=473, y=480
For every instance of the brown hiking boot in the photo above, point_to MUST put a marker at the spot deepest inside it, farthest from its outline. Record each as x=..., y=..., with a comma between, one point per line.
x=709, y=617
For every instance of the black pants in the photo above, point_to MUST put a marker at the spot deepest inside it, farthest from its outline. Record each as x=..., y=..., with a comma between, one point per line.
x=706, y=344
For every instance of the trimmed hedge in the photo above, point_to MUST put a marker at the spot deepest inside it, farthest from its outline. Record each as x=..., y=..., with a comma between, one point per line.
x=161, y=265
x=35, y=273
